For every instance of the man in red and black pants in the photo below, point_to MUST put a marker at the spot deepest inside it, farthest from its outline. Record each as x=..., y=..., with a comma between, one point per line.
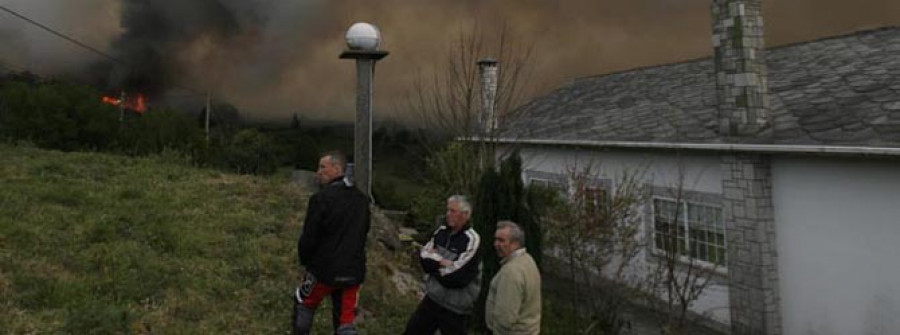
x=332, y=248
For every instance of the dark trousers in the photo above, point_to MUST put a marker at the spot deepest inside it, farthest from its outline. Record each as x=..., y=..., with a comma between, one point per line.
x=430, y=316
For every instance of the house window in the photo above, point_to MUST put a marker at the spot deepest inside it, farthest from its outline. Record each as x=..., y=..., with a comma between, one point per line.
x=691, y=229
x=549, y=184
x=596, y=201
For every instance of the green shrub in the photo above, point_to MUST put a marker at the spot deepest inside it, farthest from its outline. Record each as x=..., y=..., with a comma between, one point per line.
x=252, y=152
x=159, y=130
x=56, y=115
x=452, y=170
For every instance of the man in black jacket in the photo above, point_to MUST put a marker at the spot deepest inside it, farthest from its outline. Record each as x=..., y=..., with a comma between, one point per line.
x=453, y=264
x=332, y=248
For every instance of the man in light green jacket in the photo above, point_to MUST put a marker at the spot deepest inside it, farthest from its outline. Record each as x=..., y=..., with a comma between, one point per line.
x=514, y=300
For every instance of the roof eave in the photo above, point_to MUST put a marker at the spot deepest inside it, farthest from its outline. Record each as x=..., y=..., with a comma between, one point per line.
x=720, y=147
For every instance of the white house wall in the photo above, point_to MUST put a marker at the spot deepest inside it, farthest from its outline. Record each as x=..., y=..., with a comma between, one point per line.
x=702, y=173
x=838, y=241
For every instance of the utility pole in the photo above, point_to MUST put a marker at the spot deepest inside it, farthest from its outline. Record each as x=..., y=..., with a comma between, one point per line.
x=122, y=109
x=208, y=112
x=362, y=43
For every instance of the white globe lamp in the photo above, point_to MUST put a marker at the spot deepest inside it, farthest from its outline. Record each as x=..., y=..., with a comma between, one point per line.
x=363, y=36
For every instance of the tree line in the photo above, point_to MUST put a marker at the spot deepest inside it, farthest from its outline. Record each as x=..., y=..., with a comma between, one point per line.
x=61, y=115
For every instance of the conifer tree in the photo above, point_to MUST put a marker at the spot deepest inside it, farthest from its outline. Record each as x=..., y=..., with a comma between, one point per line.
x=514, y=204
x=484, y=220
x=502, y=196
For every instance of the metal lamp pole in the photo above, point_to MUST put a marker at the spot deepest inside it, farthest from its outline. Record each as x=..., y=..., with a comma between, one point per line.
x=362, y=42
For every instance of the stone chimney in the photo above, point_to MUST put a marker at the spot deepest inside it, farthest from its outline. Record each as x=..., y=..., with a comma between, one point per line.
x=740, y=67
x=747, y=206
x=488, y=71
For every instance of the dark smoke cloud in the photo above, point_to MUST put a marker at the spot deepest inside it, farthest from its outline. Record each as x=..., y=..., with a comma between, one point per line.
x=156, y=32
x=276, y=58
x=237, y=50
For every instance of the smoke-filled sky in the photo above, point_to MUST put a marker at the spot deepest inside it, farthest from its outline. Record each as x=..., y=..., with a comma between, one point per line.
x=274, y=58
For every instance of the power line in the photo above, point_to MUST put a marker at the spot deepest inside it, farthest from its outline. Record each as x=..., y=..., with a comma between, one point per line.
x=61, y=35
x=84, y=45
x=88, y=47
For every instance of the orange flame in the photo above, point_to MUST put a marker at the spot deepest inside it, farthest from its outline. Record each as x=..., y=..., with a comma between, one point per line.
x=111, y=101
x=136, y=103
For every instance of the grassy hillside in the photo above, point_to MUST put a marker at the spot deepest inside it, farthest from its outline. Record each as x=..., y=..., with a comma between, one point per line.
x=93, y=243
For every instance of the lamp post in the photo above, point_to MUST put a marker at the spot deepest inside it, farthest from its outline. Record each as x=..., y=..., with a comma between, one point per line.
x=362, y=45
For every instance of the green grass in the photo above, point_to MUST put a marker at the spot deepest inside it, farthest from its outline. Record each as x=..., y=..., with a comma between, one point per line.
x=95, y=243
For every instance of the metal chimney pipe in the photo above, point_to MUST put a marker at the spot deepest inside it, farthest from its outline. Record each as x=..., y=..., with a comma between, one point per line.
x=488, y=71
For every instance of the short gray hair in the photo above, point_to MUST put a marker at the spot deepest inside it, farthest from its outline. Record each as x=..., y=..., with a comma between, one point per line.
x=516, y=234
x=337, y=158
x=463, y=202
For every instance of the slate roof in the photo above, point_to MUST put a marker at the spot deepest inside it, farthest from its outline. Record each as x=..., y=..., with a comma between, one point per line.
x=839, y=91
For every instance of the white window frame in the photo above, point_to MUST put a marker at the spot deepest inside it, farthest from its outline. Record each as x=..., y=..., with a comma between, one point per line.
x=721, y=268
x=605, y=202
x=563, y=187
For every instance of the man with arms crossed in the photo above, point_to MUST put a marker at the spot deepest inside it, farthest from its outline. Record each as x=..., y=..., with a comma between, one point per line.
x=453, y=264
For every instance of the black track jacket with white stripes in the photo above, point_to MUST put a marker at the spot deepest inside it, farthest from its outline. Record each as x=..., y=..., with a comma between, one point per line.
x=461, y=248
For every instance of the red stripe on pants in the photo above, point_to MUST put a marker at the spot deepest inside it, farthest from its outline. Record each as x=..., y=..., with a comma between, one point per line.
x=349, y=300
x=346, y=299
